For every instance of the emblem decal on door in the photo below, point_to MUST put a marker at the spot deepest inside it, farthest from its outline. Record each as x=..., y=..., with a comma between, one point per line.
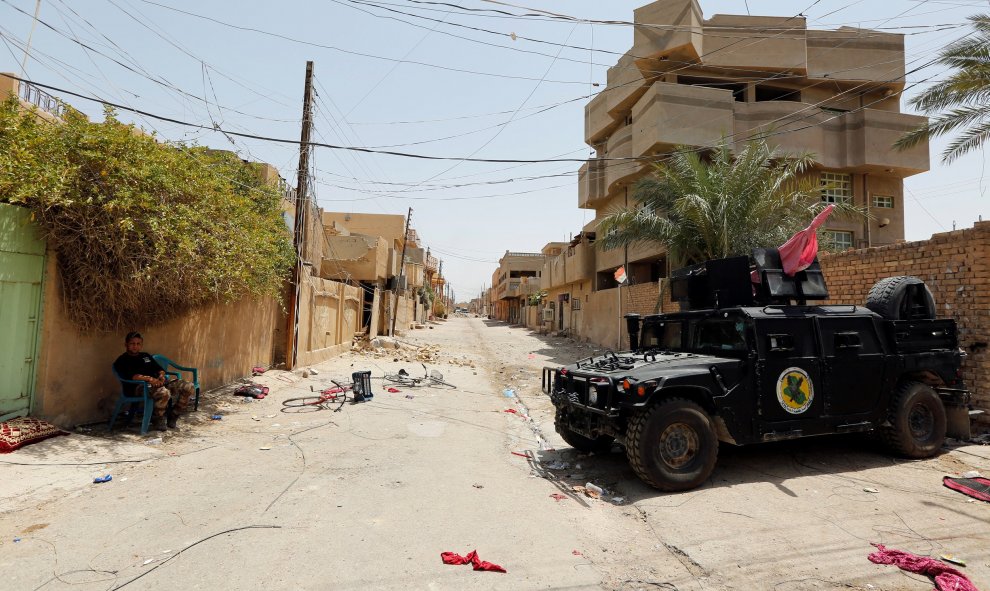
x=795, y=390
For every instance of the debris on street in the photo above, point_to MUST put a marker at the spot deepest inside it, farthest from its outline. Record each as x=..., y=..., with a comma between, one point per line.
x=473, y=559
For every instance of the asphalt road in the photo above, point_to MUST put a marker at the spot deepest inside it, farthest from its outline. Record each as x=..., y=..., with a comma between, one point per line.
x=368, y=497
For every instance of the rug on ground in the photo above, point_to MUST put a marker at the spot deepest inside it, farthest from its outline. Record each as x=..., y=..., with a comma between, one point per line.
x=17, y=433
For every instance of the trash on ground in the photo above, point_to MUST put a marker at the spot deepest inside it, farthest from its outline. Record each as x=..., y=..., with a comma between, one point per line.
x=558, y=496
x=410, y=396
x=313, y=372
x=257, y=370
x=149, y=561
x=512, y=410
x=101, y=479
x=576, y=553
x=255, y=418
x=520, y=454
x=508, y=392
x=945, y=576
x=871, y=490
x=618, y=500
x=393, y=390
x=557, y=465
x=593, y=490
x=476, y=485
x=472, y=559
x=264, y=448
x=256, y=391
x=970, y=474
x=978, y=488
x=216, y=418
x=17, y=540
x=953, y=559
x=153, y=441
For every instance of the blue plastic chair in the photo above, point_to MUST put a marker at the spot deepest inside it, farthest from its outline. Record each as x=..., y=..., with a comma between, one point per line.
x=128, y=396
x=167, y=364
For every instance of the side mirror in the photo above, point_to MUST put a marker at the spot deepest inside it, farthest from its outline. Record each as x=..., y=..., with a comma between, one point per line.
x=781, y=342
x=847, y=340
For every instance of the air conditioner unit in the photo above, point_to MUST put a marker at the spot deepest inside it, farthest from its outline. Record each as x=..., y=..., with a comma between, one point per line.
x=547, y=314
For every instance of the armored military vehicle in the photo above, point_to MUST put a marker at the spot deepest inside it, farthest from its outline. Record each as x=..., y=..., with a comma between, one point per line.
x=755, y=355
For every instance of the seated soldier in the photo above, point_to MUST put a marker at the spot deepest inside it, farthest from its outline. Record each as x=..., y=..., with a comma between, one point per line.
x=134, y=364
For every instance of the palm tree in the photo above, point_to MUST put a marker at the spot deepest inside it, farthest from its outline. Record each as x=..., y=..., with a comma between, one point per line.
x=716, y=205
x=962, y=101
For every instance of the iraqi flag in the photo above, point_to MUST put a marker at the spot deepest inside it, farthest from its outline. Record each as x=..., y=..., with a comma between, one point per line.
x=799, y=252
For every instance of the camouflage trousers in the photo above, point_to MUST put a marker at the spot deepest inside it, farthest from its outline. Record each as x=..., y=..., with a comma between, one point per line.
x=178, y=392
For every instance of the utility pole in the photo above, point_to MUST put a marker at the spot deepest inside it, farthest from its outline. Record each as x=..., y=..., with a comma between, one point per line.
x=299, y=234
x=402, y=268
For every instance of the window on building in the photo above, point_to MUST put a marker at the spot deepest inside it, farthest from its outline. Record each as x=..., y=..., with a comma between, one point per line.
x=885, y=201
x=837, y=240
x=738, y=89
x=776, y=93
x=836, y=187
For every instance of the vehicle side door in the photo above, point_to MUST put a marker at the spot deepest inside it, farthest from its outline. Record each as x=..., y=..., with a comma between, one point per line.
x=853, y=364
x=788, y=370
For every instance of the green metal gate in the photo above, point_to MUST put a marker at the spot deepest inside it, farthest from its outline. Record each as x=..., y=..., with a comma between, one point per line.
x=22, y=266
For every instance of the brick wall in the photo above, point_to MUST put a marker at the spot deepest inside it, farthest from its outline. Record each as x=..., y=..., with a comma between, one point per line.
x=642, y=298
x=954, y=265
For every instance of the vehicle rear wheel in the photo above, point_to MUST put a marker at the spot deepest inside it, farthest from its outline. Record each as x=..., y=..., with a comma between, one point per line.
x=581, y=443
x=917, y=421
x=672, y=445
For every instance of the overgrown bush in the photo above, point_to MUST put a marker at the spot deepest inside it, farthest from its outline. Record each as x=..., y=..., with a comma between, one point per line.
x=143, y=230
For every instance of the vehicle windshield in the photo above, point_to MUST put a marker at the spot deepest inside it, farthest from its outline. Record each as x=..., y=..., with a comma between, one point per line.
x=706, y=335
x=662, y=335
x=720, y=334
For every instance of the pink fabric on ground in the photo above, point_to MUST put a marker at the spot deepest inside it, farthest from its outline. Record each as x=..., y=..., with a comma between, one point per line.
x=800, y=251
x=946, y=577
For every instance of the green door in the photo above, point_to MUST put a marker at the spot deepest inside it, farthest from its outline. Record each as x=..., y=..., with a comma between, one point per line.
x=22, y=266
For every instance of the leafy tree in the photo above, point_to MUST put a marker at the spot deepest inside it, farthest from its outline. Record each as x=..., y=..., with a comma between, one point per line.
x=711, y=205
x=963, y=100
x=143, y=230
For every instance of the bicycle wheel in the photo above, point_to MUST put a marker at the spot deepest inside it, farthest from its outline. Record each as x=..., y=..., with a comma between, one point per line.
x=436, y=379
x=402, y=380
x=304, y=401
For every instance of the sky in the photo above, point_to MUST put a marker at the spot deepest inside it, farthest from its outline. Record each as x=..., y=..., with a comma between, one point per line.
x=443, y=79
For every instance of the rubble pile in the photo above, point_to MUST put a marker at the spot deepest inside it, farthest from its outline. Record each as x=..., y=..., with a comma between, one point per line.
x=390, y=348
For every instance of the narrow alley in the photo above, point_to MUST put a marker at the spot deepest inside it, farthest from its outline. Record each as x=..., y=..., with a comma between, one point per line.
x=267, y=497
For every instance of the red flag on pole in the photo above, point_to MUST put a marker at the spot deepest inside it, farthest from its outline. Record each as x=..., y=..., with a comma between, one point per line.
x=799, y=252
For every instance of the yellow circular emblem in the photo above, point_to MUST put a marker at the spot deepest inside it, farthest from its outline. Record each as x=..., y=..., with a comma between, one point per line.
x=795, y=390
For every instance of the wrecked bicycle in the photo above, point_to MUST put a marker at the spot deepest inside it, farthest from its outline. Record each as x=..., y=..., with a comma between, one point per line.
x=359, y=390
x=429, y=378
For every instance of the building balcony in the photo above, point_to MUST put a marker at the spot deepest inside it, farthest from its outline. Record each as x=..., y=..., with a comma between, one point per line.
x=857, y=55
x=620, y=172
x=859, y=141
x=679, y=37
x=609, y=259
x=625, y=85
x=553, y=272
x=579, y=263
x=741, y=41
x=591, y=183
x=598, y=124
x=671, y=115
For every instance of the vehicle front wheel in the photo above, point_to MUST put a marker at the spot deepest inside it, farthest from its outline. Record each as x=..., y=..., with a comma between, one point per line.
x=581, y=443
x=917, y=421
x=672, y=446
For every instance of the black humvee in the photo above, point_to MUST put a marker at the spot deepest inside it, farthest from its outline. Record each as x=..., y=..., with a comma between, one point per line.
x=751, y=358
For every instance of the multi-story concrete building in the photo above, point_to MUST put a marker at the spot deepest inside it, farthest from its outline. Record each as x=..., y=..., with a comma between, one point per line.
x=517, y=277
x=688, y=81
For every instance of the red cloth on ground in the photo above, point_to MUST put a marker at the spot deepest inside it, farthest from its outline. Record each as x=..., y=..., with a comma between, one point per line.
x=800, y=250
x=946, y=577
x=472, y=557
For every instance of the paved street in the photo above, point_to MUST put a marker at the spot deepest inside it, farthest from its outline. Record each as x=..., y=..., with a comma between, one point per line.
x=368, y=497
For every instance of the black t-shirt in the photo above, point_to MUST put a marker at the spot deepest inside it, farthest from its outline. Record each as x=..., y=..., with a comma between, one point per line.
x=128, y=366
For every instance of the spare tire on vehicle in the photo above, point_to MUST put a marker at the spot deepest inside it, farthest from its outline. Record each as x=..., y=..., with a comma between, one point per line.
x=901, y=298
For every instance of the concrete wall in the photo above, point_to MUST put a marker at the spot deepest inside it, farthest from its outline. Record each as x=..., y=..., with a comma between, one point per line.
x=329, y=315
x=357, y=257
x=74, y=382
x=955, y=267
x=387, y=226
